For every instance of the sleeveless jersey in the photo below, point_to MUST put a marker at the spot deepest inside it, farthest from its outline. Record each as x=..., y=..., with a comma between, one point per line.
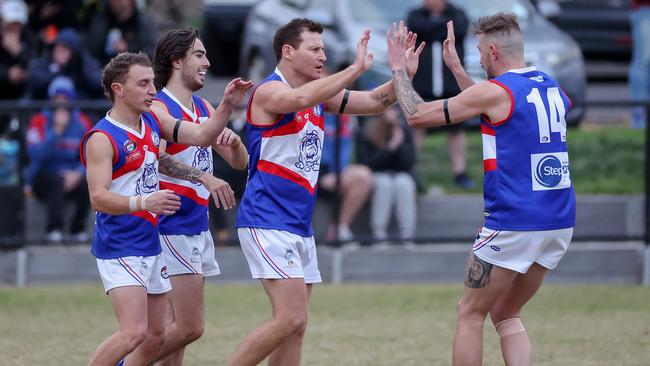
x=192, y=217
x=282, y=170
x=527, y=184
x=135, y=172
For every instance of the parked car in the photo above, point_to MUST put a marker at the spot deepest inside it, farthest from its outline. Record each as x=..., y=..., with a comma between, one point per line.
x=547, y=47
x=223, y=25
x=601, y=27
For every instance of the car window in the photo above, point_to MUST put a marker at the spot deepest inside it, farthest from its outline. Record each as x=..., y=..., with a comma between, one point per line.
x=479, y=8
x=384, y=12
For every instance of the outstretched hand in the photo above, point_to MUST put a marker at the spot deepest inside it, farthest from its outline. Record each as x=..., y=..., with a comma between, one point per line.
x=412, y=54
x=364, y=57
x=235, y=91
x=402, y=53
x=449, y=54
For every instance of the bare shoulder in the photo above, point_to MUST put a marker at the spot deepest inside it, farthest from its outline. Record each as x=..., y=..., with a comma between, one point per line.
x=267, y=91
x=98, y=145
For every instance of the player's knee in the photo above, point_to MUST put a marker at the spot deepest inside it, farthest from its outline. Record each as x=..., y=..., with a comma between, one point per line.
x=500, y=313
x=510, y=326
x=134, y=336
x=469, y=313
x=293, y=324
x=193, y=333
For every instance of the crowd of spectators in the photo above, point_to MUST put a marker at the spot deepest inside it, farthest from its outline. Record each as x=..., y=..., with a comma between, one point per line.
x=53, y=50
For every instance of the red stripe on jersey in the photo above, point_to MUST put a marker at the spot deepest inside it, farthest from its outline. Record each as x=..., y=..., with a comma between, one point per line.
x=489, y=164
x=282, y=172
x=487, y=130
x=184, y=191
x=147, y=216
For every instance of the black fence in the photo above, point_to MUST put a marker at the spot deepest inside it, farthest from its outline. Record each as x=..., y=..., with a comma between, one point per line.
x=24, y=109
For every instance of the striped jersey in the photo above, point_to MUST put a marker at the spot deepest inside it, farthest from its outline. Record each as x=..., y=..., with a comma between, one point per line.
x=527, y=184
x=135, y=172
x=192, y=217
x=282, y=170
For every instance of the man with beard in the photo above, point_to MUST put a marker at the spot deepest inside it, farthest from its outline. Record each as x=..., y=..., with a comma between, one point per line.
x=180, y=65
x=530, y=204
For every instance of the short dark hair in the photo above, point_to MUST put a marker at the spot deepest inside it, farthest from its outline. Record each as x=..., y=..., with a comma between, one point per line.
x=501, y=23
x=118, y=67
x=171, y=47
x=290, y=34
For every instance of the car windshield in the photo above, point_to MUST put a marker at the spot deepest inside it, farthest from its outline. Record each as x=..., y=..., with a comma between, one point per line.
x=383, y=12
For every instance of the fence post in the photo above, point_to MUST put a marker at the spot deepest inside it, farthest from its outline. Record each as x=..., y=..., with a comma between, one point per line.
x=21, y=267
x=337, y=266
x=646, y=257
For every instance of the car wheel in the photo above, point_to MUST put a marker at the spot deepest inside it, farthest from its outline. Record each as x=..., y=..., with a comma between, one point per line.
x=257, y=70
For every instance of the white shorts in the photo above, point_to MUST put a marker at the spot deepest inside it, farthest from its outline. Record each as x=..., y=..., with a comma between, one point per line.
x=149, y=272
x=279, y=254
x=518, y=250
x=190, y=254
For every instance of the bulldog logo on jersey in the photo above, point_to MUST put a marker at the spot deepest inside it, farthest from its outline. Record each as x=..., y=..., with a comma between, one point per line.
x=310, y=152
x=148, y=181
x=202, y=161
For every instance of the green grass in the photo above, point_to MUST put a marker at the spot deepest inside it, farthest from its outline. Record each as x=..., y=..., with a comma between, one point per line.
x=608, y=160
x=373, y=325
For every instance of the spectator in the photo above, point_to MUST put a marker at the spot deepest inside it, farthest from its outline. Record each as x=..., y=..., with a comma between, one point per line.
x=433, y=79
x=15, y=50
x=355, y=179
x=120, y=27
x=639, y=77
x=48, y=17
x=66, y=59
x=55, y=173
x=386, y=146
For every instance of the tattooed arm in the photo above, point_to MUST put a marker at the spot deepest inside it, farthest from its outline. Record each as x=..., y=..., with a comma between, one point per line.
x=485, y=98
x=220, y=189
x=364, y=102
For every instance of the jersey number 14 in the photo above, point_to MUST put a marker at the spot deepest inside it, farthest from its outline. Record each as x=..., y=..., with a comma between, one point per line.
x=552, y=120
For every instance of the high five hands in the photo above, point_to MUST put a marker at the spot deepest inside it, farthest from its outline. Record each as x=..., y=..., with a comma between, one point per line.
x=402, y=53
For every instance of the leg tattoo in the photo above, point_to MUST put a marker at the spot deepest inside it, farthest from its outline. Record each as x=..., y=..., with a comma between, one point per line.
x=478, y=273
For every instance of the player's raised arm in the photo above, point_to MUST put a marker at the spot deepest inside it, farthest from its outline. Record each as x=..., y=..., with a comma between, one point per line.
x=206, y=133
x=99, y=156
x=452, y=60
x=381, y=98
x=277, y=97
x=484, y=98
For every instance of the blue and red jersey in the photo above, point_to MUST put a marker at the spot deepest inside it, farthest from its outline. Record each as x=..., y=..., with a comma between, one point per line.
x=192, y=217
x=283, y=170
x=527, y=184
x=135, y=172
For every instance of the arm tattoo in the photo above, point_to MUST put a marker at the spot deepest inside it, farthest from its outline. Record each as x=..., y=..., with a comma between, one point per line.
x=407, y=96
x=383, y=99
x=169, y=166
x=478, y=272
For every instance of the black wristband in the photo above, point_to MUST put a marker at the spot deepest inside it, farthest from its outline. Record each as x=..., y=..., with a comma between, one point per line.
x=344, y=102
x=445, y=108
x=176, y=127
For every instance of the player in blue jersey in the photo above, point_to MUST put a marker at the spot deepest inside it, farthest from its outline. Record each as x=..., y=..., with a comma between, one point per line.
x=285, y=140
x=180, y=65
x=529, y=198
x=121, y=157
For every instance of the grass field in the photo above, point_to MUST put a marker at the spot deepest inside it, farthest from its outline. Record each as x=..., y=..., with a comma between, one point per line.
x=607, y=160
x=369, y=325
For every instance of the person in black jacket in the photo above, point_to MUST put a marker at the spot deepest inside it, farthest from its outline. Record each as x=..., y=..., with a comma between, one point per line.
x=433, y=79
x=386, y=146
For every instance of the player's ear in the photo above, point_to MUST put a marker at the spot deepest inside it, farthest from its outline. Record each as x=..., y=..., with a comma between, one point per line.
x=288, y=51
x=117, y=89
